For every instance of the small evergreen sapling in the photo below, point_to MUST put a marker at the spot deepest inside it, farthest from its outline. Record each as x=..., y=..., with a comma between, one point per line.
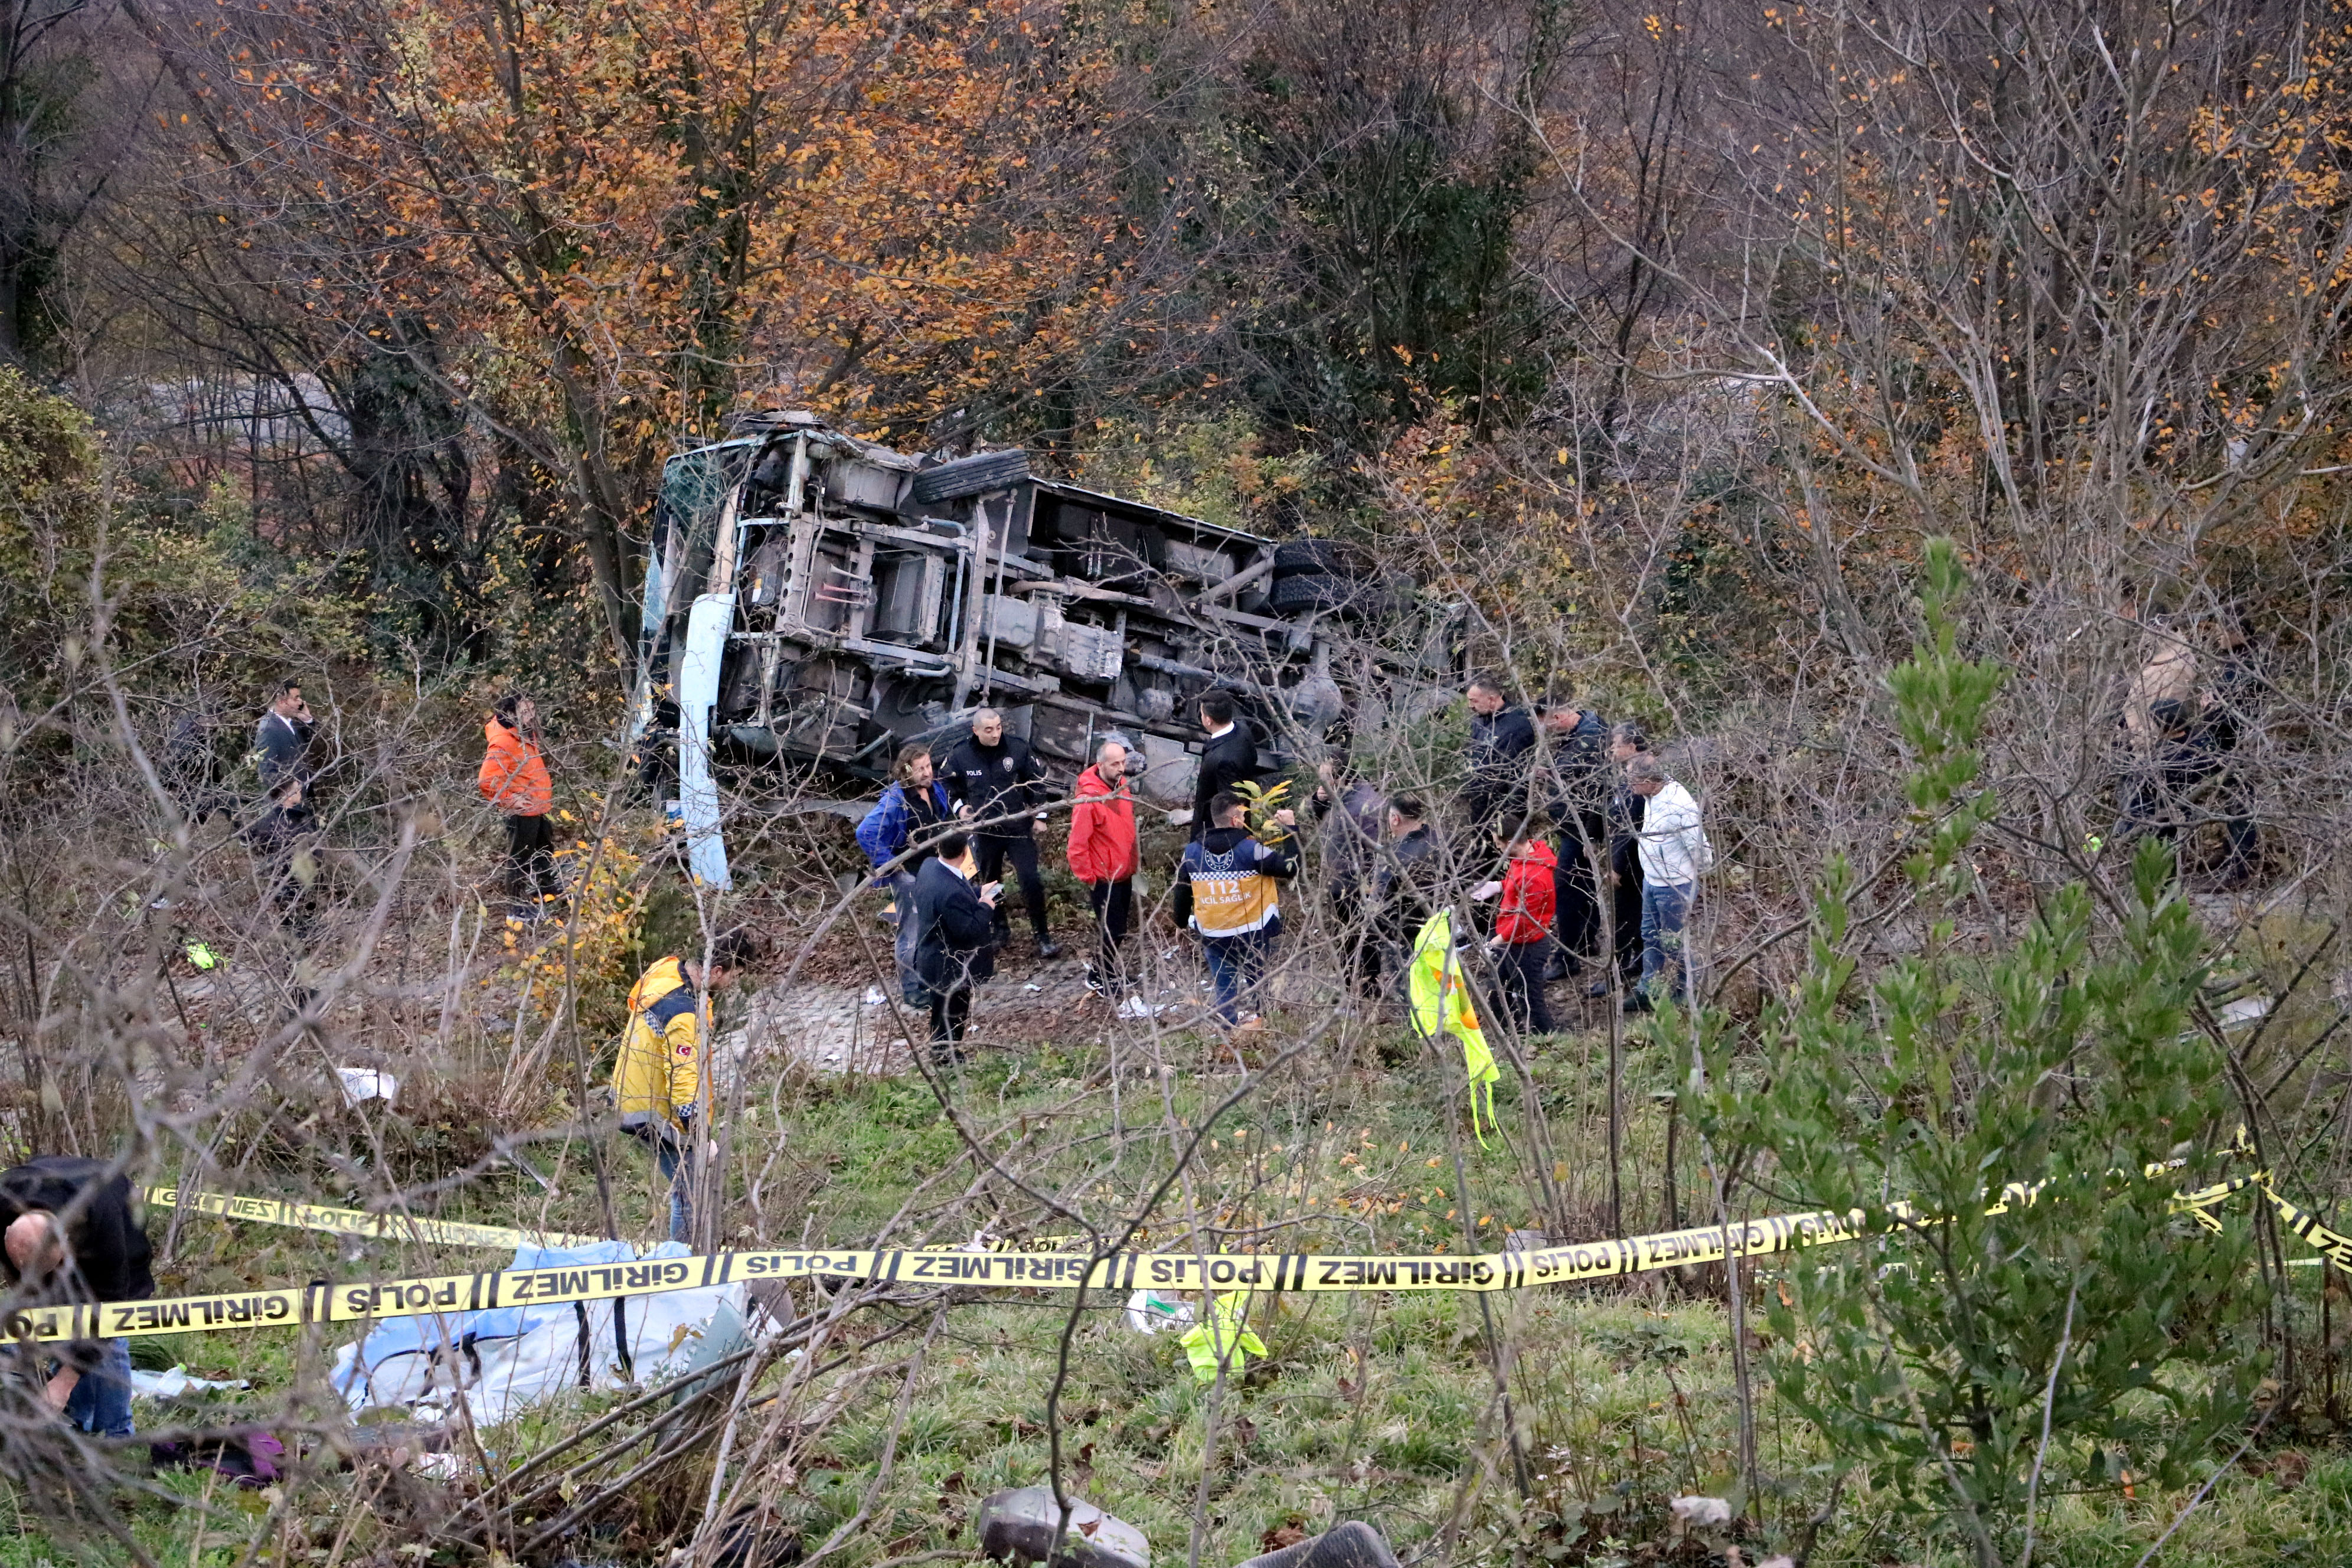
x=1975, y=1362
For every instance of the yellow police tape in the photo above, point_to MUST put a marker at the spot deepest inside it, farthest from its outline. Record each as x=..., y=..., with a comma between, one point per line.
x=322, y=1302
x=356, y=1222
x=452, y=1233
x=2334, y=1248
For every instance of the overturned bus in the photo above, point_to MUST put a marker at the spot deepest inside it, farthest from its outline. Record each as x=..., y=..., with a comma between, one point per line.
x=817, y=600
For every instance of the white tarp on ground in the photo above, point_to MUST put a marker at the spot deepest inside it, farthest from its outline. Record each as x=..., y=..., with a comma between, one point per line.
x=504, y=1362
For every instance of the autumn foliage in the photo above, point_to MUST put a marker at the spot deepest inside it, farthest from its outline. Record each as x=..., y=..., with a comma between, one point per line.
x=599, y=225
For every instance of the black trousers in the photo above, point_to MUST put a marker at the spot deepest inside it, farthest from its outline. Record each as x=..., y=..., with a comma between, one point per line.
x=2233, y=803
x=951, y=1011
x=991, y=854
x=1625, y=911
x=1355, y=916
x=2186, y=786
x=288, y=894
x=1519, y=973
x=1575, y=919
x=531, y=859
x=1112, y=902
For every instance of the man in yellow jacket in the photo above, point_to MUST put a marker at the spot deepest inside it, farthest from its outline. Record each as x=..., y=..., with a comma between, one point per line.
x=657, y=1080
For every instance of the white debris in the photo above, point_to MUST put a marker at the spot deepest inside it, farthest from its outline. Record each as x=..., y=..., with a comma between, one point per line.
x=171, y=1385
x=1150, y=1314
x=2244, y=1010
x=361, y=1084
x=1697, y=1512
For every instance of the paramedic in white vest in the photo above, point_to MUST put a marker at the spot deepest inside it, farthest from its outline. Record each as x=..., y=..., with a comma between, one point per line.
x=1226, y=892
x=1675, y=853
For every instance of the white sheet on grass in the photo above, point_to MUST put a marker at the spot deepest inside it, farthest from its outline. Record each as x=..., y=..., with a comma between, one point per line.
x=504, y=1362
x=175, y=1382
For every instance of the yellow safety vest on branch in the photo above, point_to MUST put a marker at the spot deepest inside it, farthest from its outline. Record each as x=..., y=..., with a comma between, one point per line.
x=1441, y=1006
x=1223, y=1337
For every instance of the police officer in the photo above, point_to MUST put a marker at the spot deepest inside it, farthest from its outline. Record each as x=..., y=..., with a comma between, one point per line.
x=995, y=785
x=1502, y=745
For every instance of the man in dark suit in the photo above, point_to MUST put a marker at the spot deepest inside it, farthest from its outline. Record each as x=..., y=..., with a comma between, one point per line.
x=282, y=737
x=1229, y=757
x=955, y=942
x=1410, y=885
x=67, y=1235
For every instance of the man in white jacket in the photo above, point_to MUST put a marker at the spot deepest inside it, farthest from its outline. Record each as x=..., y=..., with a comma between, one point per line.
x=1674, y=852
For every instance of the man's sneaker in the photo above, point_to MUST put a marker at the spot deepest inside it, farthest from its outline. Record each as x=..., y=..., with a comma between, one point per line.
x=1048, y=949
x=1095, y=984
x=1598, y=989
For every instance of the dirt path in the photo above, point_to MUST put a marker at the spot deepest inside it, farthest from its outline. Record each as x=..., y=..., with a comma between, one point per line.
x=843, y=1026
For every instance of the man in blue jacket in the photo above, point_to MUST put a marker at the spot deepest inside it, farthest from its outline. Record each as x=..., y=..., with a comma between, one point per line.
x=907, y=821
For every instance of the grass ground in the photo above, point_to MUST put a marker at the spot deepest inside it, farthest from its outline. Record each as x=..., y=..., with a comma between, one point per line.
x=1374, y=1407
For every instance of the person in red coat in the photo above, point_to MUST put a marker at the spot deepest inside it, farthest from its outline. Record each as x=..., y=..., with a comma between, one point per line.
x=1523, y=918
x=514, y=781
x=1103, y=856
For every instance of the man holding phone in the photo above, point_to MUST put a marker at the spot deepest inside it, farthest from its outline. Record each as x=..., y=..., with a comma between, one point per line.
x=955, y=945
x=281, y=742
x=281, y=739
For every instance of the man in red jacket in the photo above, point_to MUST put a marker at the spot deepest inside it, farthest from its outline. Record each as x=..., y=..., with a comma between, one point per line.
x=514, y=781
x=1523, y=926
x=1103, y=856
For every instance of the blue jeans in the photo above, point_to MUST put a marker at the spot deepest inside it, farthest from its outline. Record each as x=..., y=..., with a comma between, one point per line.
x=101, y=1403
x=1666, y=907
x=910, y=985
x=676, y=1162
x=1234, y=965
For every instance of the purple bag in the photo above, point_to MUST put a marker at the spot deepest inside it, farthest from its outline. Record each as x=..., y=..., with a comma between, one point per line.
x=249, y=1457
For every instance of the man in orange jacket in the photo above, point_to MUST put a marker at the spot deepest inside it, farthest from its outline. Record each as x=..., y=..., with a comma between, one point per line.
x=1103, y=856
x=514, y=781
